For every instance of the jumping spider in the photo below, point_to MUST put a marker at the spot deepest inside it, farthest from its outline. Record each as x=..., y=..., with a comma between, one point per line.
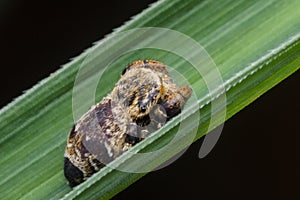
x=141, y=102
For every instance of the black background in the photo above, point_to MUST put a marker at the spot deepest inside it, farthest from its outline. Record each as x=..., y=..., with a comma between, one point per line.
x=257, y=156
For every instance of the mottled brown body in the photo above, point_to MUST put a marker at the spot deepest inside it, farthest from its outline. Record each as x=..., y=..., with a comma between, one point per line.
x=141, y=102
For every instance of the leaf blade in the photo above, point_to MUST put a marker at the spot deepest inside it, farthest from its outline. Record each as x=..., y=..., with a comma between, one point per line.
x=241, y=25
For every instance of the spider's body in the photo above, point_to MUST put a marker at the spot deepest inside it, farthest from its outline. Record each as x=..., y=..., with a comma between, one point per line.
x=141, y=102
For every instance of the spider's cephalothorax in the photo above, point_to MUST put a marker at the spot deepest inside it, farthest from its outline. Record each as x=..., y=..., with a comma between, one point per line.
x=141, y=102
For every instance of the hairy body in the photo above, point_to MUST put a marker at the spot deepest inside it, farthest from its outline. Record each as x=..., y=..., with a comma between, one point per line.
x=141, y=102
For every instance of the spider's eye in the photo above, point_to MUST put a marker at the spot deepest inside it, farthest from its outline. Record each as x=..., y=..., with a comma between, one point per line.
x=143, y=108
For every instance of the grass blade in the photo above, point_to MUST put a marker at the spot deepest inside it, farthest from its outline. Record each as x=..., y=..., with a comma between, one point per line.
x=255, y=45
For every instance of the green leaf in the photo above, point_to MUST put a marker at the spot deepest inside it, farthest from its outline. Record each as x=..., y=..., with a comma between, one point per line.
x=254, y=44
